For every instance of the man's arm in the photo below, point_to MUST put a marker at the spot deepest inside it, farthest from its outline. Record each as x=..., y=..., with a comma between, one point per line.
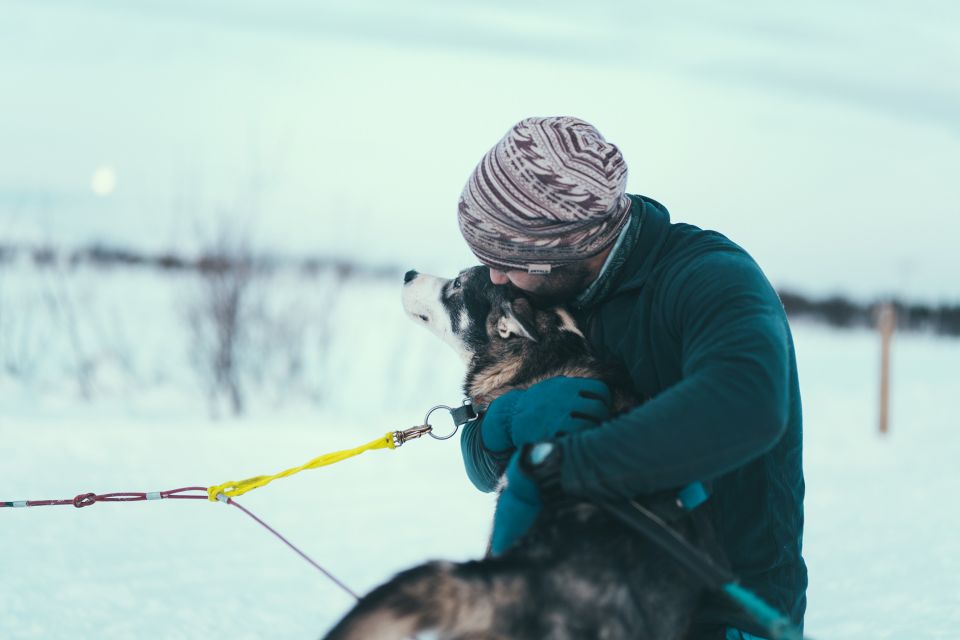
x=527, y=416
x=483, y=466
x=730, y=406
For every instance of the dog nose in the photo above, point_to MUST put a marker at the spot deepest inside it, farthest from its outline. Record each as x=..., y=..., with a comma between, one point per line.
x=409, y=275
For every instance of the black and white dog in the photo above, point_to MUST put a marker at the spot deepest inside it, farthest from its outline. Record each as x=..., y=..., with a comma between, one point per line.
x=578, y=573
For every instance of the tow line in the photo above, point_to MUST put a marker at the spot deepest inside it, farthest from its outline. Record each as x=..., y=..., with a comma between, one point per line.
x=226, y=491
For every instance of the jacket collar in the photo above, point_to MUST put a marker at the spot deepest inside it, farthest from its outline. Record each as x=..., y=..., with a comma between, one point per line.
x=633, y=261
x=614, y=261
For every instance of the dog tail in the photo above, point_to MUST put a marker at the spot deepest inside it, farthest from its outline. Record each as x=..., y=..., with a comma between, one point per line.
x=450, y=600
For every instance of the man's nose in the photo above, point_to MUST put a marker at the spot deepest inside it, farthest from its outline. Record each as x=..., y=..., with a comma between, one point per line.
x=498, y=277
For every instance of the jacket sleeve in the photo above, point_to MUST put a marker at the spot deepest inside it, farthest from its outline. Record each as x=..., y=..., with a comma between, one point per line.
x=483, y=467
x=730, y=405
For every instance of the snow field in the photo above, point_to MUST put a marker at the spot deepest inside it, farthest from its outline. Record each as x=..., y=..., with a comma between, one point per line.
x=880, y=536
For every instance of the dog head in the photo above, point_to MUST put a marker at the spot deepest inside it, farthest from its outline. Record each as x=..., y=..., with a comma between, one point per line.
x=505, y=341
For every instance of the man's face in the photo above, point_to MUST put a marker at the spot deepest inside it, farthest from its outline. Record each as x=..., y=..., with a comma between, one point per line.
x=560, y=285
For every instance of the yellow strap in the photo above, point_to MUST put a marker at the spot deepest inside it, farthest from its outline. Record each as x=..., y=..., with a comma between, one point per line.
x=233, y=488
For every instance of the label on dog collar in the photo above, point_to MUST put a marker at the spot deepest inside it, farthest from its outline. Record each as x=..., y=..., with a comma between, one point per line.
x=538, y=269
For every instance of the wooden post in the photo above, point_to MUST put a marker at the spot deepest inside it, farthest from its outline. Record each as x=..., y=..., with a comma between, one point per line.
x=886, y=323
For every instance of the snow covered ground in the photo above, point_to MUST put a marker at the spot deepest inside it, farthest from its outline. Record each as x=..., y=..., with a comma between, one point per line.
x=881, y=537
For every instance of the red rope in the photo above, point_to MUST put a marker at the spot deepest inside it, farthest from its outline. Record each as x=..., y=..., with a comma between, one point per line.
x=87, y=499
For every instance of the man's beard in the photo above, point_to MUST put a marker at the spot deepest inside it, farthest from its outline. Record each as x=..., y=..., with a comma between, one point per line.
x=562, y=285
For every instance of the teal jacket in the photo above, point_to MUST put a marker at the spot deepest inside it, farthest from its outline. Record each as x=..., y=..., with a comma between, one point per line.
x=705, y=340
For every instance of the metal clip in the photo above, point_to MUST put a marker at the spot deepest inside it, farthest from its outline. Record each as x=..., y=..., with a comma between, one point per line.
x=461, y=415
x=400, y=437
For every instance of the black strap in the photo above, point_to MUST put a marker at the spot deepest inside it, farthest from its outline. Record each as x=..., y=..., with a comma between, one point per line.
x=463, y=414
x=713, y=576
x=646, y=522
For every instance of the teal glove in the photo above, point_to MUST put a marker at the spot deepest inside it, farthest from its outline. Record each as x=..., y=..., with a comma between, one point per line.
x=521, y=501
x=540, y=413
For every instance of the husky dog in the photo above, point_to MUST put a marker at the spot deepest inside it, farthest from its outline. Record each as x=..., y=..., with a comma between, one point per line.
x=577, y=573
x=505, y=342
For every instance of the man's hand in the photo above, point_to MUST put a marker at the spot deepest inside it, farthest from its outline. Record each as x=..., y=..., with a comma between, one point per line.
x=533, y=471
x=545, y=410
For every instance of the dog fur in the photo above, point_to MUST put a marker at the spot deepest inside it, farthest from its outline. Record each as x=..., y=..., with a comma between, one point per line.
x=578, y=573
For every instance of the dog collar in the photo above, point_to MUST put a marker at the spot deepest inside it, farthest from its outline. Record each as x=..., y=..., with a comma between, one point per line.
x=464, y=413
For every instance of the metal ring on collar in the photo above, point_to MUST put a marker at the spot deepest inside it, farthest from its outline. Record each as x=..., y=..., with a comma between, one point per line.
x=426, y=422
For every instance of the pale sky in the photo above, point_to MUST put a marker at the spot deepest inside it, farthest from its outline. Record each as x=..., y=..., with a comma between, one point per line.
x=823, y=137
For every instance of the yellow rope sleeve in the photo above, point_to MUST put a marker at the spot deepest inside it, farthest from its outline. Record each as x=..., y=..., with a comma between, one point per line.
x=238, y=488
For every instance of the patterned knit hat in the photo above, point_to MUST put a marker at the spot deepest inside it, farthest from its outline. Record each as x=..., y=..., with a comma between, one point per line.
x=550, y=193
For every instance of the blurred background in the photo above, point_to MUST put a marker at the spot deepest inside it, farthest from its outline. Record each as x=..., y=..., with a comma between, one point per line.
x=206, y=209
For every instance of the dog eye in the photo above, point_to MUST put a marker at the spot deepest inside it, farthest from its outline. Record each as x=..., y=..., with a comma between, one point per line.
x=456, y=283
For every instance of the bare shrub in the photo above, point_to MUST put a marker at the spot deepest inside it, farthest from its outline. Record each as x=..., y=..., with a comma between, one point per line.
x=219, y=313
x=292, y=334
x=17, y=355
x=65, y=308
x=258, y=329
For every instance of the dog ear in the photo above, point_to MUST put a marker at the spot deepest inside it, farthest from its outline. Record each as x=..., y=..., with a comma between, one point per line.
x=518, y=320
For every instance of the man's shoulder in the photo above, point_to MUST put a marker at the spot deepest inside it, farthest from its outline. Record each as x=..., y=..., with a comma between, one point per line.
x=681, y=242
x=641, y=200
x=692, y=251
x=668, y=252
x=707, y=272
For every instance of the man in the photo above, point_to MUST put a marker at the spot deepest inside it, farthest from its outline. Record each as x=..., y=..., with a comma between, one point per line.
x=694, y=321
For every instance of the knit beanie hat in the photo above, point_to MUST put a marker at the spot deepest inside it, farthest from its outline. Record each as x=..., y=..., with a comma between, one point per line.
x=550, y=193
